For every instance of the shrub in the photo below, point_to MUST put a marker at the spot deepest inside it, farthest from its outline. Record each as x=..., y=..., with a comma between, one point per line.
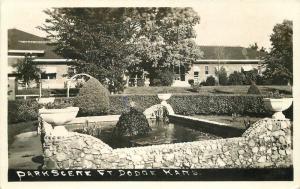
x=236, y=78
x=93, y=99
x=210, y=81
x=222, y=76
x=58, y=105
x=156, y=82
x=202, y=83
x=251, y=76
x=116, y=85
x=163, y=78
x=260, y=80
x=191, y=82
x=196, y=88
x=132, y=123
x=22, y=110
x=141, y=82
x=253, y=89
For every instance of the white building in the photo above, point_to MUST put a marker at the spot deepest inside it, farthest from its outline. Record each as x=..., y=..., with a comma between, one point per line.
x=54, y=67
x=231, y=58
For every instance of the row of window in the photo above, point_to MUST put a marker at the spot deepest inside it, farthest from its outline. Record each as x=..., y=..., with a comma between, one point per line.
x=48, y=76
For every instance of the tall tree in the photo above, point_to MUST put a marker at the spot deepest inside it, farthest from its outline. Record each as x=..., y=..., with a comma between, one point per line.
x=253, y=46
x=27, y=71
x=107, y=41
x=279, y=60
x=220, y=55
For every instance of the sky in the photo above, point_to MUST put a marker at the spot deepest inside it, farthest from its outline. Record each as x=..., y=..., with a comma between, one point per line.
x=228, y=24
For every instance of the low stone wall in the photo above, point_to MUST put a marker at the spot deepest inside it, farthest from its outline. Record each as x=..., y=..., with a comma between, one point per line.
x=267, y=143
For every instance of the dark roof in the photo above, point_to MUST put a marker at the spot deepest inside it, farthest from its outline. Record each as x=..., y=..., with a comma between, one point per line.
x=15, y=38
x=230, y=53
x=18, y=35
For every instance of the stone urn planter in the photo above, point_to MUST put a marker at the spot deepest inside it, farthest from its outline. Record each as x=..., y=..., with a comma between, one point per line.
x=164, y=96
x=277, y=105
x=45, y=100
x=58, y=117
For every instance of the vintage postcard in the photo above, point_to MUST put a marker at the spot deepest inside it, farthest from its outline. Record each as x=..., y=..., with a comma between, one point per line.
x=95, y=93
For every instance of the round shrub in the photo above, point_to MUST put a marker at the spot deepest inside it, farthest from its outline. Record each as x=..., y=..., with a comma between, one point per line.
x=210, y=81
x=93, y=99
x=191, y=82
x=132, y=123
x=253, y=89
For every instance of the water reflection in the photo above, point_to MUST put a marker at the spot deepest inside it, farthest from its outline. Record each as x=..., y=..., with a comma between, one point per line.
x=162, y=133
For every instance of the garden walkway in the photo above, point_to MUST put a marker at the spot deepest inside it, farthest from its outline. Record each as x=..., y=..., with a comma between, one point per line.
x=25, y=152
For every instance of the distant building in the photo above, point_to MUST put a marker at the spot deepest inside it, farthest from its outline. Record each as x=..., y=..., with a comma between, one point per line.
x=54, y=67
x=215, y=57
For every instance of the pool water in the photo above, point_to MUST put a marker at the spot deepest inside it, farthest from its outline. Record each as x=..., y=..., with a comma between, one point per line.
x=162, y=133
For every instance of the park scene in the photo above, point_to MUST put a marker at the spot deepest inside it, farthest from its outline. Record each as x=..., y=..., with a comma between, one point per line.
x=130, y=88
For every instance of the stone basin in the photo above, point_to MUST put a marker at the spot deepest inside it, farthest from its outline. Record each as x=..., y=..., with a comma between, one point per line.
x=277, y=106
x=57, y=117
x=164, y=96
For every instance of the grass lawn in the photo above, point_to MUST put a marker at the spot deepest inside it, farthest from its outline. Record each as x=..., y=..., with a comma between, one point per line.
x=205, y=90
x=235, y=89
x=238, y=122
x=18, y=128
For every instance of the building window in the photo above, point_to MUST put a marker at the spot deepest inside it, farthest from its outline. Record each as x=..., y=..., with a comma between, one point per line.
x=196, y=77
x=179, y=73
x=206, y=70
x=48, y=75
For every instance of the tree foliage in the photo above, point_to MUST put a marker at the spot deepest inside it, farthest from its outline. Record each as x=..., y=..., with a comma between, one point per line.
x=279, y=60
x=236, y=78
x=27, y=71
x=107, y=41
x=163, y=78
x=250, y=76
x=222, y=76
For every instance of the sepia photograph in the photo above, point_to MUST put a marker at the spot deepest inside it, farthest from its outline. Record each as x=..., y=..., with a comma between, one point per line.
x=195, y=92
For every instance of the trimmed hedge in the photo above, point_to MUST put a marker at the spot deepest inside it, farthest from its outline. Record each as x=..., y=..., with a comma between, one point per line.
x=25, y=110
x=22, y=110
x=218, y=104
x=121, y=103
